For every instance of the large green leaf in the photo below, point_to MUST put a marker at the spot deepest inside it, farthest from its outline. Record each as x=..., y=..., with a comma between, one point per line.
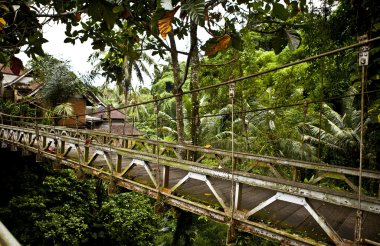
x=196, y=10
x=278, y=42
x=279, y=11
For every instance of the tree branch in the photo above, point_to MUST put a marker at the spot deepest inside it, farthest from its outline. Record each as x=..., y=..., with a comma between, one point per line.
x=193, y=43
x=167, y=47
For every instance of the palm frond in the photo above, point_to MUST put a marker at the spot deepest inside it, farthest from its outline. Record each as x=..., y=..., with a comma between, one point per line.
x=64, y=110
x=138, y=72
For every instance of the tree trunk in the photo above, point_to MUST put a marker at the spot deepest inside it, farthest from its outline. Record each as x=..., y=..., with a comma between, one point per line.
x=194, y=84
x=127, y=65
x=184, y=222
x=1, y=87
x=177, y=89
x=127, y=69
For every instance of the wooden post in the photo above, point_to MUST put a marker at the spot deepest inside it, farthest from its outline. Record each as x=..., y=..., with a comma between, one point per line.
x=238, y=195
x=295, y=178
x=109, y=119
x=43, y=141
x=86, y=154
x=62, y=151
x=165, y=176
x=118, y=163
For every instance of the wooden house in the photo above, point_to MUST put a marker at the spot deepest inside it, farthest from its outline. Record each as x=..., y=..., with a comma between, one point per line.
x=17, y=87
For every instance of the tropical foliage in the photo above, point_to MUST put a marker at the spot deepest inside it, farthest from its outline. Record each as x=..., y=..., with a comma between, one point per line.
x=309, y=112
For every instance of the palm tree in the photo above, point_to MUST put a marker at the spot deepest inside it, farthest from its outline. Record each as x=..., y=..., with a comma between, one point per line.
x=59, y=82
x=139, y=67
x=339, y=133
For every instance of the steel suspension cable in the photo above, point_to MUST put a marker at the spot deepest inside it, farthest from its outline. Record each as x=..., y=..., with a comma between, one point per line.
x=157, y=150
x=363, y=63
x=232, y=195
x=361, y=154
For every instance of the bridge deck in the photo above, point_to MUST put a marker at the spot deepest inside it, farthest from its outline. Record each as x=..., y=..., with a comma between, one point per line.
x=274, y=204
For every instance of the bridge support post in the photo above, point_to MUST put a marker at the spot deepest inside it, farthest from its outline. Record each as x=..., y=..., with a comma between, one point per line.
x=62, y=149
x=119, y=163
x=43, y=141
x=231, y=235
x=165, y=176
x=86, y=154
x=238, y=195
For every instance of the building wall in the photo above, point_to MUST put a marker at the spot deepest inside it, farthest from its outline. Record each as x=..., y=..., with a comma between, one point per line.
x=79, y=107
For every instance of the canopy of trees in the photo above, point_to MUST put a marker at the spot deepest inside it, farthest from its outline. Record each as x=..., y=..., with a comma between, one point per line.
x=308, y=112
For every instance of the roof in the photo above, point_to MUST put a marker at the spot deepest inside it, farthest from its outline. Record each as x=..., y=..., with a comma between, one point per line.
x=90, y=96
x=101, y=112
x=20, y=78
x=117, y=128
x=7, y=70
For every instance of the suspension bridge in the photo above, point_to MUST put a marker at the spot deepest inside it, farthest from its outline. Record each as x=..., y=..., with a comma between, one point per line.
x=267, y=198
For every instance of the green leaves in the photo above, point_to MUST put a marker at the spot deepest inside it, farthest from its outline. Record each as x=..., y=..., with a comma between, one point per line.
x=279, y=11
x=60, y=83
x=196, y=11
x=101, y=11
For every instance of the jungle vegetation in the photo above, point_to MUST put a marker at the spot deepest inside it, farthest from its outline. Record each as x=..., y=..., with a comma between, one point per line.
x=308, y=112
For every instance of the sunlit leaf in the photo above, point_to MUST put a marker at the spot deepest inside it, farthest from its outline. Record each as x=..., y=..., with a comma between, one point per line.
x=2, y=6
x=118, y=9
x=2, y=23
x=221, y=44
x=165, y=23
